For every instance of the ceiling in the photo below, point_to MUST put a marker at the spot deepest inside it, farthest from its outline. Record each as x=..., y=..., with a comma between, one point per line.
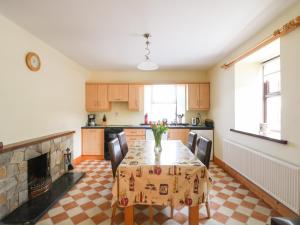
x=107, y=34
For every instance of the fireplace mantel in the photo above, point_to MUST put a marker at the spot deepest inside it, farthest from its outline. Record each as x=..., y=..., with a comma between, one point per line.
x=34, y=141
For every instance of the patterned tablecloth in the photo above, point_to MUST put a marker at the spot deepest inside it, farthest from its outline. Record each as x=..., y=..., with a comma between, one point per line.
x=173, y=177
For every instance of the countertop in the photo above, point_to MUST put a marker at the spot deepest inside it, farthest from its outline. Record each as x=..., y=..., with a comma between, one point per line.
x=200, y=127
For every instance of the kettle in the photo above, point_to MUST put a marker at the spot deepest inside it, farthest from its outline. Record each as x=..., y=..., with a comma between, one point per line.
x=195, y=121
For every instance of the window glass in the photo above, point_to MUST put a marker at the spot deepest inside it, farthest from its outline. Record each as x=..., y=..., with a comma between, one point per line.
x=273, y=81
x=164, y=94
x=164, y=101
x=272, y=66
x=274, y=113
x=271, y=70
x=163, y=111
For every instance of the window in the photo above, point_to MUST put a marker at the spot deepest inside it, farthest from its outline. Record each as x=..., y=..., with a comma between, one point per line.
x=272, y=95
x=164, y=101
x=257, y=92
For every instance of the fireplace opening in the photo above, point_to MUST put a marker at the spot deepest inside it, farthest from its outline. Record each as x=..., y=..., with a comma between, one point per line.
x=39, y=178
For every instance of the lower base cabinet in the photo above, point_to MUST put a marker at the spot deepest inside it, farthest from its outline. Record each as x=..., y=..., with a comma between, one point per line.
x=178, y=134
x=133, y=135
x=92, y=142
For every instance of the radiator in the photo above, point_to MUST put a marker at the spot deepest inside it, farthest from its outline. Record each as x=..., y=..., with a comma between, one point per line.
x=276, y=177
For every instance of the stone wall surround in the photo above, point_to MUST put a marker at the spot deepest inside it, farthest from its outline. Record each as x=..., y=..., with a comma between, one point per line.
x=13, y=170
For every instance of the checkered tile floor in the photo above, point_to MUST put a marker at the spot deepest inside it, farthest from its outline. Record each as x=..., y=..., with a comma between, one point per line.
x=88, y=202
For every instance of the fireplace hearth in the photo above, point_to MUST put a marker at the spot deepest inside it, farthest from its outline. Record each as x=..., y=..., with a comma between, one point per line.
x=39, y=178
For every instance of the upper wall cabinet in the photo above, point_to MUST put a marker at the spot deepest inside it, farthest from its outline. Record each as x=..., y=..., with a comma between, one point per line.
x=96, y=98
x=103, y=103
x=118, y=92
x=198, y=96
x=135, y=100
x=91, y=97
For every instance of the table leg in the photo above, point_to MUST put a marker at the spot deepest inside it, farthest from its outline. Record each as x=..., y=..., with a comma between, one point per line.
x=129, y=217
x=194, y=215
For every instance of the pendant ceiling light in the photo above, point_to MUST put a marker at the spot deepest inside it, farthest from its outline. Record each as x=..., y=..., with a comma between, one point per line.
x=147, y=64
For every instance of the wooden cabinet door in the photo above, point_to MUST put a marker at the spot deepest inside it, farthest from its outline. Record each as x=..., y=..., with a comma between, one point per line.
x=133, y=135
x=204, y=102
x=91, y=99
x=118, y=92
x=92, y=141
x=103, y=103
x=193, y=96
x=135, y=99
x=178, y=134
x=135, y=132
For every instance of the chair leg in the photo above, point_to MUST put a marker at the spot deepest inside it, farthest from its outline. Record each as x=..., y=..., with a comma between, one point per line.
x=151, y=214
x=114, y=209
x=172, y=212
x=207, y=209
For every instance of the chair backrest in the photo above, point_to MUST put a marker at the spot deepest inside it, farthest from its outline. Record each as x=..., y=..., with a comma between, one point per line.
x=123, y=143
x=204, y=149
x=192, y=141
x=115, y=154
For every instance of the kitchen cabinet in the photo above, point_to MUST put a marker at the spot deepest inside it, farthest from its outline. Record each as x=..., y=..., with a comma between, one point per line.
x=96, y=97
x=118, y=92
x=198, y=96
x=135, y=99
x=193, y=96
x=178, y=134
x=103, y=103
x=92, y=142
x=91, y=97
x=133, y=135
x=204, y=102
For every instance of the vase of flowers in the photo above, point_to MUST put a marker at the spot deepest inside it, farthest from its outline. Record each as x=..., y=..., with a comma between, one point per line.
x=158, y=129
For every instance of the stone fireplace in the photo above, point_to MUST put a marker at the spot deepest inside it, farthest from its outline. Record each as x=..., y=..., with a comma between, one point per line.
x=38, y=177
x=29, y=169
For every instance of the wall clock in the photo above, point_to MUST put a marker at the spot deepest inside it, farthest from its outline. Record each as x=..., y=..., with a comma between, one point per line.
x=33, y=61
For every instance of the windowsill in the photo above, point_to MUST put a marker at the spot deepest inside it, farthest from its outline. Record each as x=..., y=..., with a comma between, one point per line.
x=261, y=136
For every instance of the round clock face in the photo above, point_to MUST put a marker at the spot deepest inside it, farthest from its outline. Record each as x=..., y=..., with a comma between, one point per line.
x=33, y=61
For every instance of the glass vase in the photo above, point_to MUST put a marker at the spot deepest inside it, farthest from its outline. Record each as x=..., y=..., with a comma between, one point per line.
x=157, y=145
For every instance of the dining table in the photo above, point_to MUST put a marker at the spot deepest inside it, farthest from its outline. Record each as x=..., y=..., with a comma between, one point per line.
x=173, y=177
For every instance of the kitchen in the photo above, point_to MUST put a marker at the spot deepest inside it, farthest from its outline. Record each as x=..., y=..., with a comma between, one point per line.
x=99, y=130
x=149, y=112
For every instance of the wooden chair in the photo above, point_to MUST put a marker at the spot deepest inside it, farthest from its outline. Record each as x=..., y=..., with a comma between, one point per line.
x=204, y=150
x=115, y=155
x=123, y=142
x=192, y=140
x=203, y=154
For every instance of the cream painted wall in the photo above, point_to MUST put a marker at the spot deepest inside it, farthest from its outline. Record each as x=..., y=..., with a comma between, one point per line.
x=149, y=76
x=248, y=96
x=222, y=95
x=34, y=104
x=119, y=113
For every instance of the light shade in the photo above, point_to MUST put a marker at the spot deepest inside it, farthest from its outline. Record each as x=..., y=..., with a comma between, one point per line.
x=147, y=65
